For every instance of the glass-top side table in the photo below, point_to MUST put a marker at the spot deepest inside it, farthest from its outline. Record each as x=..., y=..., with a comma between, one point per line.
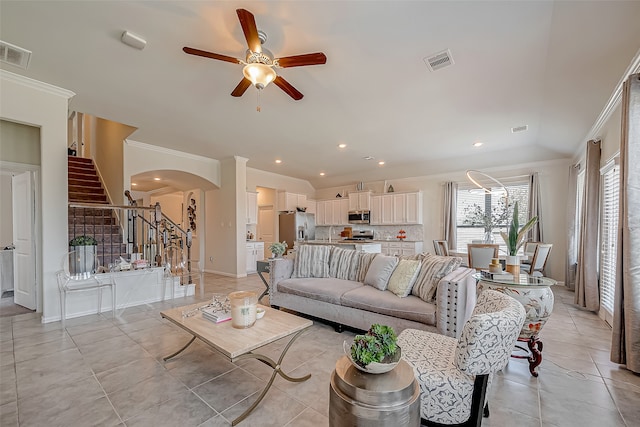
x=535, y=294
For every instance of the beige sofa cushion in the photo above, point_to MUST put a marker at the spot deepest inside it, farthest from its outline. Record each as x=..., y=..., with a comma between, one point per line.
x=328, y=290
x=363, y=265
x=343, y=263
x=403, y=277
x=380, y=271
x=433, y=268
x=312, y=261
x=385, y=302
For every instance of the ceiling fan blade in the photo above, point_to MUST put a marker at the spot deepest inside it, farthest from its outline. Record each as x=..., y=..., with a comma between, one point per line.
x=287, y=88
x=241, y=88
x=302, y=60
x=248, y=23
x=198, y=52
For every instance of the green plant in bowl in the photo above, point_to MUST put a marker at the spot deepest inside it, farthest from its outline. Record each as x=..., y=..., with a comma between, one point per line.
x=376, y=351
x=83, y=241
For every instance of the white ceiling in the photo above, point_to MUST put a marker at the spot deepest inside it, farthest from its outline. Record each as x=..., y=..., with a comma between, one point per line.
x=549, y=65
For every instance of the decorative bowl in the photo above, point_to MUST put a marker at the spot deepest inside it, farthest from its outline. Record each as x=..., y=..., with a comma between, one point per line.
x=260, y=313
x=374, y=367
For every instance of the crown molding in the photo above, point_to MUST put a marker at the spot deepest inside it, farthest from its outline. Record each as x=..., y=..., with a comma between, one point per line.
x=36, y=84
x=169, y=151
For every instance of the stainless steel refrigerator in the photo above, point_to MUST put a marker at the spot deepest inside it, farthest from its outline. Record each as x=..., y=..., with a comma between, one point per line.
x=297, y=226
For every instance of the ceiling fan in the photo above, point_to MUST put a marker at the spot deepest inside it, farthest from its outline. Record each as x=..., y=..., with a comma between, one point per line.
x=260, y=63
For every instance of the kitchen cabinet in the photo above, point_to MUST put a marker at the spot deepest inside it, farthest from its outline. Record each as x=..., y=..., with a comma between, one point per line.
x=401, y=248
x=252, y=208
x=332, y=212
x=311, y=206
x=255, y=253
x=291, y=201
x=396, y=209
x=360, y=201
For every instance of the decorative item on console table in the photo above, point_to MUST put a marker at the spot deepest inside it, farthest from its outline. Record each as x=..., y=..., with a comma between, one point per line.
x=515, y=239
x=277, y=249
x=401, y=235
x=86, y=251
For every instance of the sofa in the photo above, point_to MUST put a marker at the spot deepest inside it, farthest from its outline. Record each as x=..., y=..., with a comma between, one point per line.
x=350, y=288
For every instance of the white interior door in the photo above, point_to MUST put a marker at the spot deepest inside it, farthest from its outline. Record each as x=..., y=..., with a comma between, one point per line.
x=265, y=226
x=24, y=259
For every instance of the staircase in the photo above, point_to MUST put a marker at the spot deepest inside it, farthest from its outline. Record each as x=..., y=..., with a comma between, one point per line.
x=85, y=187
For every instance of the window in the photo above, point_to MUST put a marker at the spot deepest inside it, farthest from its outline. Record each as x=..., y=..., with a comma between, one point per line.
x=476, y=208
x=608, y=238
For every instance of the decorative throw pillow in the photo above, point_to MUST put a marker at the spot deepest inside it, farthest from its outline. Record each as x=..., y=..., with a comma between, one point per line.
x=343, y=263
x=312, y=261
x=363, y=265
x=403, y=277
x=433, y=268
x=380, y=271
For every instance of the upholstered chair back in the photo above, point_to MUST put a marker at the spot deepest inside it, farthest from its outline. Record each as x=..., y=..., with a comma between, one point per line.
x=489, y=336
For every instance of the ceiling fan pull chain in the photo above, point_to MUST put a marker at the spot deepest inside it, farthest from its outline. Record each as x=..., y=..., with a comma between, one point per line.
x=258, y=107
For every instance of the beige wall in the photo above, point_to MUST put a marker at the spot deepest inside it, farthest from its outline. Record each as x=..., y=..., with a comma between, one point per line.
x=6, y=210
x=41, y=105
x=107, y=139
x=610, y=136
x=19, y=143
x=257, y=178
x=225, y=251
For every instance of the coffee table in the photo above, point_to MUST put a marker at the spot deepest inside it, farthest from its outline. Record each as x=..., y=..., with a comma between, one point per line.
x=239, y=344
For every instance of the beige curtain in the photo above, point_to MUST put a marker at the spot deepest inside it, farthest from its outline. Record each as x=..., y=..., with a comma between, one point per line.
x=450, y=208
x=587, y=294
x=625, y=345
x=572, y=236
x=535, y=207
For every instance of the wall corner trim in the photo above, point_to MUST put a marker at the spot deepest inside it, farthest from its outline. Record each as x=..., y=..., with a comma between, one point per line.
x=36, y=84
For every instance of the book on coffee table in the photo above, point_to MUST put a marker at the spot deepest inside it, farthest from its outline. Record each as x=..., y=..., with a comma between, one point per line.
x=216, y=316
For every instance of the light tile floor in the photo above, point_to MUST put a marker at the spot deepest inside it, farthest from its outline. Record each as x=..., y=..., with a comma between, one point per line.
x=99, y=371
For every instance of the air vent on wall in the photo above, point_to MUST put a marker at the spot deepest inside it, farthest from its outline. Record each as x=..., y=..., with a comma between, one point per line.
x=519, y=129
x=14, y=55
x=439, y=60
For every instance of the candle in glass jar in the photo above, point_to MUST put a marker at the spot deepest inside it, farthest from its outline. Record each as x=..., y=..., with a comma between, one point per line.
x=243, y=309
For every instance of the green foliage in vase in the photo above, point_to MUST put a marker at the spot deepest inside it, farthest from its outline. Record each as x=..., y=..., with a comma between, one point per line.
x=477, y=216
x=516, y=236
x=379, y=342
x=278, y=248
x=83, y=241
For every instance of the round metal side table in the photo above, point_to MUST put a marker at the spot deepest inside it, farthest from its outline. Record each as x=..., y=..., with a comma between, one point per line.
x=357, y=398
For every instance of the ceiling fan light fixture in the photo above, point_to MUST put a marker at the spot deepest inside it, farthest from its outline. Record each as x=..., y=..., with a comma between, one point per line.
x=260, y=75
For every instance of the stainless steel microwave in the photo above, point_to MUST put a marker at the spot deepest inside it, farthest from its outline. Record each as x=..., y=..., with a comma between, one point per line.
x=359, y=217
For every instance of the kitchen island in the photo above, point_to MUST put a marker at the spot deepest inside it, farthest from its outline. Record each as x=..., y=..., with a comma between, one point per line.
x=361, y=246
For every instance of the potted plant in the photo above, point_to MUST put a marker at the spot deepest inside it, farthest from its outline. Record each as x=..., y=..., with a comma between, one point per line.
x=85, y=255
x=514, y=240
x=376, y=351
x=277, y=248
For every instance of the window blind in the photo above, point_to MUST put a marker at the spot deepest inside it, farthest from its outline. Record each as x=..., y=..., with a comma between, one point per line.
x=609, y=236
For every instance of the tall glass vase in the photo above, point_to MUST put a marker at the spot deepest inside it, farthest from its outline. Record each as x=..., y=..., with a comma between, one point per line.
x=488, y=237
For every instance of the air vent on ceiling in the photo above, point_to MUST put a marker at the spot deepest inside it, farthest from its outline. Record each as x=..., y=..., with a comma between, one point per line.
x=439, y=60
x=14, y=55
x=519, y=129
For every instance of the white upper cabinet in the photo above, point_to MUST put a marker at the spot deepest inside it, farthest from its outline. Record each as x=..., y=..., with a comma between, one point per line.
x=332, y=212
x=291, y=201
x=360, y=201
x=396, y=208
x=252, y=208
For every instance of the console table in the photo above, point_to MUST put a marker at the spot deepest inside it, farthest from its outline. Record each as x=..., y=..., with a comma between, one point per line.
x=535, y=294
x=263, y=267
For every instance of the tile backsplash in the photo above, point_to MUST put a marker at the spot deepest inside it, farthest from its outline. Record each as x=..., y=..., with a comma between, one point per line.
x=380, y=232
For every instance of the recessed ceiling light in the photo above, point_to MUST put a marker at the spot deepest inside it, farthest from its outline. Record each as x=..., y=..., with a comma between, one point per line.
x=278, y=161
x=342, y=145
x=133, y=184
x=368, y=157
x=321, y=173
x=381, y=163
x=156, y=179
x=477, y=144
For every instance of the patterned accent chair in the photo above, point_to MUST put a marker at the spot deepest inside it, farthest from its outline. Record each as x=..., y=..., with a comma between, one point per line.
x=454, y=373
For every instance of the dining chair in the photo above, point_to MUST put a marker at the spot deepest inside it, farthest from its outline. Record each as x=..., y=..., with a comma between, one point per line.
x=441, y=247
x=529, y=250
x=78, y=273
x=480, y=254
x=539, y=260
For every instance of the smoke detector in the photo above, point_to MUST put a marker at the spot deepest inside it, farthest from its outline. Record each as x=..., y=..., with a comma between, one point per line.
x=439, y=60
x=14, y=55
